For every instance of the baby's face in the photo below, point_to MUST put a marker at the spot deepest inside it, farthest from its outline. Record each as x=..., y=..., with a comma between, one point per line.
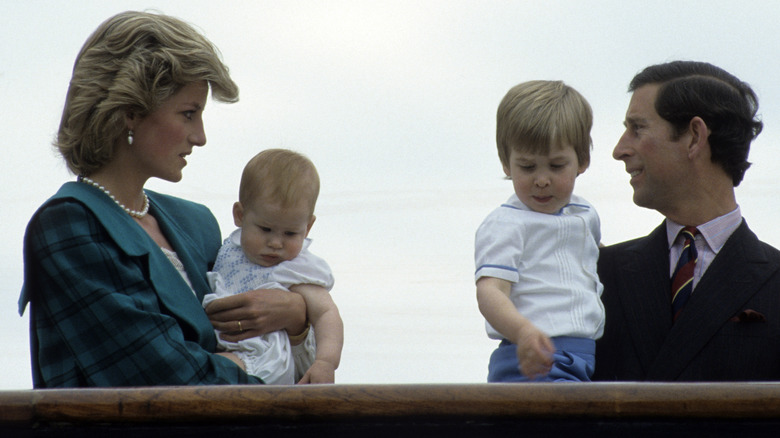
x=271, y=234
x=544, y=182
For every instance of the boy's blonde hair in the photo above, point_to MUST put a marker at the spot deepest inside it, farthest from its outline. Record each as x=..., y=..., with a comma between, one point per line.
x=537, y=115
x=131, y=64
x=281, y=176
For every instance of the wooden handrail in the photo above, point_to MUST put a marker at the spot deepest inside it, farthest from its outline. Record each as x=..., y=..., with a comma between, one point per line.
x=206, y=403
x=446, y=403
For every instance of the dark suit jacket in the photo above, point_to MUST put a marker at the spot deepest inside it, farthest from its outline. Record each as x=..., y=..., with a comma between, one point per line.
x=729, y=329
x=107, y=307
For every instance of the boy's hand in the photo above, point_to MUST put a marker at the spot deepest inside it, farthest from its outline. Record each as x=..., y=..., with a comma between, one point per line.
x=534, y=353
x=319, y=372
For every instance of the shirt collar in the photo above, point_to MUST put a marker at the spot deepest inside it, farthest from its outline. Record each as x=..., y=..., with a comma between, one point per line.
x=574, y=203
x=715, y=232
x=235, y=239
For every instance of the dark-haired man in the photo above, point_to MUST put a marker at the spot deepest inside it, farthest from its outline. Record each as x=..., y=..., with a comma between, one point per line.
x=698, y=299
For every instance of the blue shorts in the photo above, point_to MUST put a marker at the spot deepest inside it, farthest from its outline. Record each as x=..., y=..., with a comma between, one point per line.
x=573, y=361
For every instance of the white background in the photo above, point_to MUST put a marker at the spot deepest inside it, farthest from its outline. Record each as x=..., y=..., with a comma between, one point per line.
x=395, y=103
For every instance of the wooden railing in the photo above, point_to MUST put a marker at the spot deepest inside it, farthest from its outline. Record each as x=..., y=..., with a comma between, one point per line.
x=603, y=409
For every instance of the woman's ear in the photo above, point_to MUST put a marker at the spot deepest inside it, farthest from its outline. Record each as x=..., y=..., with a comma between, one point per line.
x=130, y=119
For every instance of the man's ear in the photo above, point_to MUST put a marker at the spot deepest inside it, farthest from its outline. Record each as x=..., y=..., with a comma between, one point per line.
x=700, y=135
x=238, y=214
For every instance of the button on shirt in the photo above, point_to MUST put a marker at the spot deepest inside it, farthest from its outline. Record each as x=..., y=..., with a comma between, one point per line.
x=712, y=236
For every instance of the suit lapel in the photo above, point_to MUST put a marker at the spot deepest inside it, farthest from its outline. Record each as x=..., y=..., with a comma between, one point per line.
x=734, y=276
x=643, y=294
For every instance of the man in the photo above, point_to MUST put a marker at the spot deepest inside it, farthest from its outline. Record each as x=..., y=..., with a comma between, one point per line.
x=689, y=126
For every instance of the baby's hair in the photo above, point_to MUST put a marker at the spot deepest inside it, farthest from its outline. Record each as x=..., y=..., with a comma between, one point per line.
x=537, y=115
x=281, y=176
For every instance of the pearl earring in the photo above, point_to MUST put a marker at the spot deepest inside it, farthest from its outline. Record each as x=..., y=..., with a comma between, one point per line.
x=130, y=136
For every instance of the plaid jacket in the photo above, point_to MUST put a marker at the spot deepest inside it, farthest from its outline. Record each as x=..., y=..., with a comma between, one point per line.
x=107, y=307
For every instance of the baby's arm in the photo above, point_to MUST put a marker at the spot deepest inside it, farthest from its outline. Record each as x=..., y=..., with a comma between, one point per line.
x=534, y=348
x=232, y=356
x=328, y=332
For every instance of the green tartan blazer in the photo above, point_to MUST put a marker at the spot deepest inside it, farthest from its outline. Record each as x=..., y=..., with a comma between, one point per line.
x=107, y=308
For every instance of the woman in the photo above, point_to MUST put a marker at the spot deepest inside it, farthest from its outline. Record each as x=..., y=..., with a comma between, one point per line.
x=115, y=274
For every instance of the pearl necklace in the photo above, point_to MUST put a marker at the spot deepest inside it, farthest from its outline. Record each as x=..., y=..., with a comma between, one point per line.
x=133, y=213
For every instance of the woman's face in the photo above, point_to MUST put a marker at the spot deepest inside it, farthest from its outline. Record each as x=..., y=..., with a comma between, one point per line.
x=163, y=139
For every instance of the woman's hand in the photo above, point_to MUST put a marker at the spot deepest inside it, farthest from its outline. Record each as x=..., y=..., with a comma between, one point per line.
x=257, y=312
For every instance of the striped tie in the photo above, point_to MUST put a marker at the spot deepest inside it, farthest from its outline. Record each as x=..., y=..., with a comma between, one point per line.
x=682, y=279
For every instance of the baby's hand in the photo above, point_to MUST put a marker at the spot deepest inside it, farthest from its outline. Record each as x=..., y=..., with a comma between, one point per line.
x=534, y=353
x=319, y=372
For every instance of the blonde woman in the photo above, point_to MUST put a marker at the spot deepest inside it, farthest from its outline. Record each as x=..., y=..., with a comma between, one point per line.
x=114, y=273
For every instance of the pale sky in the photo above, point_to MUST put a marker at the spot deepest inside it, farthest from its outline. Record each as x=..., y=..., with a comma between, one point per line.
x=395, y=103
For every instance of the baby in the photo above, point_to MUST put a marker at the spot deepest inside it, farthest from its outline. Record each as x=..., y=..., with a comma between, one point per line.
x=269, y=250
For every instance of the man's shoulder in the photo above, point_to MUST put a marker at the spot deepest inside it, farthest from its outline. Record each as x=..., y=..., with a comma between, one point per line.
x=636, y=244
x=625, y=245
x=743, y=234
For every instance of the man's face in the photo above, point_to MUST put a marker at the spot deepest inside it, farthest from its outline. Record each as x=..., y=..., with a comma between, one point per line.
x=655, y=161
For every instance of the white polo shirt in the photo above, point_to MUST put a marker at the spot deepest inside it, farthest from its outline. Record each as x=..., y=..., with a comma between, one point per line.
x=550, y=259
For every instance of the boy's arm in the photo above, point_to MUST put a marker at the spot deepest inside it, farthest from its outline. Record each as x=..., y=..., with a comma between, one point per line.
x=328, y=332
x=534, y=348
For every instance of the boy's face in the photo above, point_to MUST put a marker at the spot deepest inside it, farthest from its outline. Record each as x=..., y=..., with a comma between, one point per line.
x=271, y=234
x=544, y=183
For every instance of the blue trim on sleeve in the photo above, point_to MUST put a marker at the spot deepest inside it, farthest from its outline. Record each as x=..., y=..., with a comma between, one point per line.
x=506, y=268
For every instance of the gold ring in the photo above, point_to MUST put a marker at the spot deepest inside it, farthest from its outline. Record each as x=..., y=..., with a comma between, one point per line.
x=239, y=326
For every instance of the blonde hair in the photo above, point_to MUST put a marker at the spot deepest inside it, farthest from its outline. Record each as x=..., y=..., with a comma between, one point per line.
x=130, y=64
x=537, y=115
x=281, y=176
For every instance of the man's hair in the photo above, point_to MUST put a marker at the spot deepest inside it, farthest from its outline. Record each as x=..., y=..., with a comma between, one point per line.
x=130, y=64
x=726, y=104
x=281, y=176
x=534, y=116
